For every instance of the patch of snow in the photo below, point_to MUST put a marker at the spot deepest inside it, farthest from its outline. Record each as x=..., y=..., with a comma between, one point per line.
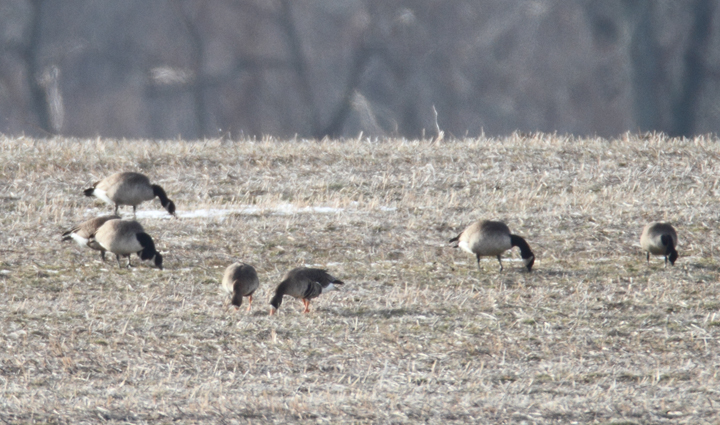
x=149, y=214
x=281, y=209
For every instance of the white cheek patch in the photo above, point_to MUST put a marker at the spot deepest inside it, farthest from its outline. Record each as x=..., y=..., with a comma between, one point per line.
x=101, y=194
x=79, y=239
x=330, y=287
x=528, y=260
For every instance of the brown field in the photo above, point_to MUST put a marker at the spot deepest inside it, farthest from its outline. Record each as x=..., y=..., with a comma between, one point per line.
x=417, y=334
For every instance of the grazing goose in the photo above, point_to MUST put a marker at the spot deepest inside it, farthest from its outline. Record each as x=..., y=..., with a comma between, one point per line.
x=240, y=280
x=125, y=237
x=82, y=232
x=486, y=238
x=660, y=239
x=129, y=189
x=304, y=283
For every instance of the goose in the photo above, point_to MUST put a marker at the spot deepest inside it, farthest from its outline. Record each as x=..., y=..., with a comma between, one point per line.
x=129, y=189
x=82, y=232
x=240, y=280
x=486, y=238
x=660, y=239
x=123, y=238
x=304, y=283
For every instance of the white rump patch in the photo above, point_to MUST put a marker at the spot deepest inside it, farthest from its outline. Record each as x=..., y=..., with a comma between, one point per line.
x=101, y=194
x=79, y=239
x=465, y=247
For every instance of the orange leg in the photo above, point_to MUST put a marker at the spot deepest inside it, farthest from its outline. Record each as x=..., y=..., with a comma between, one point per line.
x=249, y=303
x=307, y=305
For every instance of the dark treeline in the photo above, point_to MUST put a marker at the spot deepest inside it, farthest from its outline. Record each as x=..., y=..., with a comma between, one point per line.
x=194, y=69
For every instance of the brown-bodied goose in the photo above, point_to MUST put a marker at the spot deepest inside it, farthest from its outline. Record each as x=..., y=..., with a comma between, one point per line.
x=492, y=238
x=303, y=283
x=240, y=280
x=129, y=189
x=123, y=238
x=660, y=239
x=82, y=232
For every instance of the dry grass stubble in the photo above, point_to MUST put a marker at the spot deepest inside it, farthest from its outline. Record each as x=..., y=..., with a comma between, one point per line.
x=592, y=335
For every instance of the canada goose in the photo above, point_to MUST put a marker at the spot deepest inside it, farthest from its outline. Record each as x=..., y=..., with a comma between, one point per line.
x=82, y=232
x=129, y=189
x=304, y=283
x=125, y=237
x=660, y=239
x=486, y=238
x=240, y=280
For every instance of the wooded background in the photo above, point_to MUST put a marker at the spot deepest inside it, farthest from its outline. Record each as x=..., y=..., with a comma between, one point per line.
x=315, y=68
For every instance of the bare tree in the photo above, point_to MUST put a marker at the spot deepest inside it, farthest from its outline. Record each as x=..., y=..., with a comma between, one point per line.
x=38, y=99
x=283, y=67
x=647, y=68
x=197, y=53
x=684, y=109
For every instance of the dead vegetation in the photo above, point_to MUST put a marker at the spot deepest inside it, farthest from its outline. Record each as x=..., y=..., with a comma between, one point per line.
x=593, y=335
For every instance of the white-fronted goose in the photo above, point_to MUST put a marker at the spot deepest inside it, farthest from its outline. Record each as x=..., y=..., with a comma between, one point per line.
x=82, y=232
x=240, y=280
x=303, y=283
x=487, y=238
x=660, y=239
x=125, y=237
x=129, y=189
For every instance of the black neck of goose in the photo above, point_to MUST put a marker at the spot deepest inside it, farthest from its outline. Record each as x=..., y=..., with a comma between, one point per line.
x=148, y=245
x=670, y=251
x=237, y=299
x=667, y=242
x=158, y=260
x=519, y=242
x=164, y=200
x=149, y=251
x=279, y=292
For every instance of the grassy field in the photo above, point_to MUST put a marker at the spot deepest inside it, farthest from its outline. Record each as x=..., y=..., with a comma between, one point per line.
x=592, y=335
